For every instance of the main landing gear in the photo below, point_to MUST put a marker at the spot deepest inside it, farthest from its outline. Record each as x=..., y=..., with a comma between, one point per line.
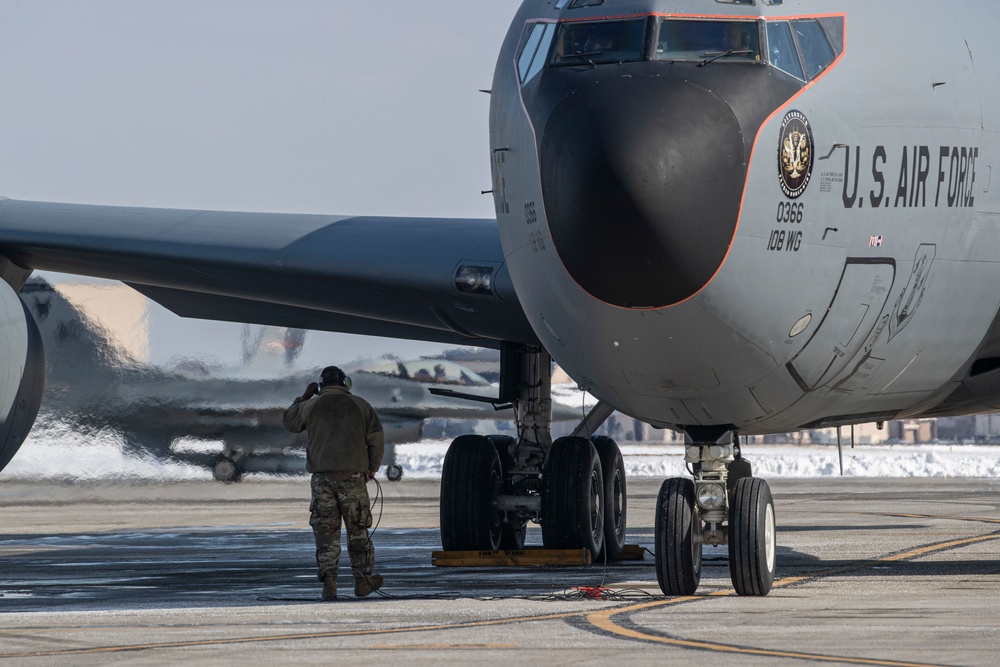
x=491, y=486
x=724, y=504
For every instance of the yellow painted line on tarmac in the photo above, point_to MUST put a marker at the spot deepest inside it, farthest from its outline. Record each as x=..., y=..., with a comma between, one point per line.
x=603, y=620
x=939, y=547
x=902, y=515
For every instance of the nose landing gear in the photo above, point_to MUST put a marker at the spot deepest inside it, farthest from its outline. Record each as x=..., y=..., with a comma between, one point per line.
x=724, y=504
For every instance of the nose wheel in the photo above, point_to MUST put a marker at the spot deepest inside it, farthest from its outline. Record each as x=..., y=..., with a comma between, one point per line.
x=752, y=537
x=678, y=538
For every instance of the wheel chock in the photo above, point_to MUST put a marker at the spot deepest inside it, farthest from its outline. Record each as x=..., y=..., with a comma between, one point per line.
x=520, y=557
x=632, y=552
x=530, y=556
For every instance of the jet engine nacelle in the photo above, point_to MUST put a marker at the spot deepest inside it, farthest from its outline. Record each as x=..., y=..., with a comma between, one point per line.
x=22, y=372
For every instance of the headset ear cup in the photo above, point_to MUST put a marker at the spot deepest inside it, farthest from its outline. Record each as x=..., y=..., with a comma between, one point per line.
x=347, y=382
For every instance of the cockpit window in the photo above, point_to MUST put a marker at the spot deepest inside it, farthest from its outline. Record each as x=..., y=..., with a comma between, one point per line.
x=681, y=39
x=781, y=49
x=576, y=4
x=535, y=49
x=436, y=371
x=598, y=42
x=815, y=48
x=801, y=48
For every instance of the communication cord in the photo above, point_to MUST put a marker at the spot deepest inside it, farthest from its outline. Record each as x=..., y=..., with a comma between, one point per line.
x=379, y=500
x=582, y=592
x=575, y=593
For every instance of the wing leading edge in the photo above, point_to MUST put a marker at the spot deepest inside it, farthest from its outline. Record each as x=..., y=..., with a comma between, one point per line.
x=390, y=277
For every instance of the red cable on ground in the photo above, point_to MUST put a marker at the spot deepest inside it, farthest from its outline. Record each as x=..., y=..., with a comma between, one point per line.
x=594, y=592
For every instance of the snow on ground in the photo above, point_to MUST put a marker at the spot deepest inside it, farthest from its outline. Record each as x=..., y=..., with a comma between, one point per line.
x=423, y=460
x=56, y=452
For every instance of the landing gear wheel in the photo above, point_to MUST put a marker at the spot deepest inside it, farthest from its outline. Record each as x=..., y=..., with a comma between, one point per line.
x=515, y=529
x=394, y=472
x=470, y=483
x=752, y=537
x=615, y=497
x=572, y=497
x=226, y=469
x=678, y=550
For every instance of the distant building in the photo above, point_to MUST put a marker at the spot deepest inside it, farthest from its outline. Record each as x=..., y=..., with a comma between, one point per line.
x=116, y=310
x=122, y=315
x=913, y=431
x=973, y=428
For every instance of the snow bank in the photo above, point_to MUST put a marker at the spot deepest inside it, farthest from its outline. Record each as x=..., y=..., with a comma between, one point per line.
x=57, y=452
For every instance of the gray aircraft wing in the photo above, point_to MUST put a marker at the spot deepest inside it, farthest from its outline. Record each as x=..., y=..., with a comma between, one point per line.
x=394, y=277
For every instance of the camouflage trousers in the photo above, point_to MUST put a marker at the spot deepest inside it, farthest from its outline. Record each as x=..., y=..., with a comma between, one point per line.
x=332, y=500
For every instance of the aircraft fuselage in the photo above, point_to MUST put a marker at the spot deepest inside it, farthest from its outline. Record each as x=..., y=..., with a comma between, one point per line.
x=796, y=229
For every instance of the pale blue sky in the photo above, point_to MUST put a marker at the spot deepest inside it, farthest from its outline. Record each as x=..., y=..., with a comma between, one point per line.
x=327, y=106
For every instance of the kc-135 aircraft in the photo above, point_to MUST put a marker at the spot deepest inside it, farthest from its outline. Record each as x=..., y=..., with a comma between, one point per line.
x=724, y=217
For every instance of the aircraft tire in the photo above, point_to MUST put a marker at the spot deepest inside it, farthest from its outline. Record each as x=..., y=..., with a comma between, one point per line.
x=572, y=497
x=394, y=472
x=615, y=497
x=226, y=469
x=514, y=529
x=470, y=482
x=678, y=553
x=752, y=537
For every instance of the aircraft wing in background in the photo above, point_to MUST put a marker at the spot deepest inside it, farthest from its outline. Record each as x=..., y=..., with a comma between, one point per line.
x=440, y=280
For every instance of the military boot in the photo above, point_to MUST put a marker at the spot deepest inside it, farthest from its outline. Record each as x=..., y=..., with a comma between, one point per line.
x=367, y=585
x=330, y=587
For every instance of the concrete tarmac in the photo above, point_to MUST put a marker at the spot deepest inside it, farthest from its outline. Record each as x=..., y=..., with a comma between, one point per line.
x=871, y=572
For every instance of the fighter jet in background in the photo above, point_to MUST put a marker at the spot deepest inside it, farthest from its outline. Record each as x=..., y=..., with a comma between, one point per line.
x=94, y=383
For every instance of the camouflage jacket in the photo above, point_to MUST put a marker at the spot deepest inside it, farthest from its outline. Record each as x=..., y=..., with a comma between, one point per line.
x=345, y=434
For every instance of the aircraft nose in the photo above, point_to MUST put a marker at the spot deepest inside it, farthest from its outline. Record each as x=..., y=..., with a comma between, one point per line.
x=642, y=187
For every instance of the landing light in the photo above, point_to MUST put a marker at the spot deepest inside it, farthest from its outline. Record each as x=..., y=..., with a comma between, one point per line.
x=474, y=279
x=711, y=496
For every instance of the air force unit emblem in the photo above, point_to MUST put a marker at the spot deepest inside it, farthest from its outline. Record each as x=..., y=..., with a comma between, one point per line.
x=795, y=154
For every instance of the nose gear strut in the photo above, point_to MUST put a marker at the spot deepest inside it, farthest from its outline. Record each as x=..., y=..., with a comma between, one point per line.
x=723, y=504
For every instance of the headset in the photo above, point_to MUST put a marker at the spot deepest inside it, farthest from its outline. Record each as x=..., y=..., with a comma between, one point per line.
x=336, y=376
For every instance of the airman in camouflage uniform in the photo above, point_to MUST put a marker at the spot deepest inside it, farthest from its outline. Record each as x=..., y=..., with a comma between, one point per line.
x=344, y=450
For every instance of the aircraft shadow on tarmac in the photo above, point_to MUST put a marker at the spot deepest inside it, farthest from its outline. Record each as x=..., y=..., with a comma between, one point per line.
x=178, y=568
